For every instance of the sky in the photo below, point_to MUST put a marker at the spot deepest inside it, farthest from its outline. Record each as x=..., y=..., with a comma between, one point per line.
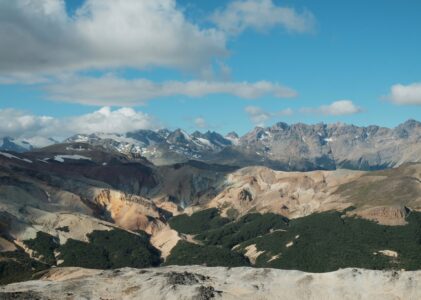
x=80, y=66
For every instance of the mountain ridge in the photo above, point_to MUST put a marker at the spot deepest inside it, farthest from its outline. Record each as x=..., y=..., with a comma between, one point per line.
x=294, y=147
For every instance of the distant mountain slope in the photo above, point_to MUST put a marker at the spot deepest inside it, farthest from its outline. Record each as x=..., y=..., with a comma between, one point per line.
x=322, y=146
x=67, y=200
x=162, y=147
x=296, y=147
x=10, y=144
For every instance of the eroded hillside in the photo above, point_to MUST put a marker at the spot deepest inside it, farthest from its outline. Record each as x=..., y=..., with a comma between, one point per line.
x=77, y=200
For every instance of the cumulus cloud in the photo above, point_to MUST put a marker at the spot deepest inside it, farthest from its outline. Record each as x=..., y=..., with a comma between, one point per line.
x=259, y=117
x=337, y=108
x=39, y=36
x=200, y=122
x=108, y=121
x=16, y=123
x=111, y=90
x=405, y=94
x=19, y=124
x=261, y=15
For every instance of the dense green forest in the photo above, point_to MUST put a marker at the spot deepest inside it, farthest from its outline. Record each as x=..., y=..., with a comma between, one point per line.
x=317, y=243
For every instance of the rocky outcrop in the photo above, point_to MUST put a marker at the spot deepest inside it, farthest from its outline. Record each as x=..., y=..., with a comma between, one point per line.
x=291, y=194
x=129, y=211
x=197, y=282
x=245, y=195
x=385, y=196
x=386, y=215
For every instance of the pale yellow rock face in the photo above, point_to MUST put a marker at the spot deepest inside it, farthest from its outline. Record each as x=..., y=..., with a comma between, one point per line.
x=252, y=253
x=129, y=211
x=6, y=246
x=291, y=194
x=164, y=240
x=385, y=197
x=386, y=215
x=222, y=283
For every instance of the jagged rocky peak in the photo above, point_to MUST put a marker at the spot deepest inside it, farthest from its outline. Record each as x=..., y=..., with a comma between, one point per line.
x=147, y=136
x=212, y=137
x=408, y=128
x=178, y=136
x=24, y=145
x=232, y=135
x=10, y=144
x=411, y=124
x=280, y=126
x=287, y=147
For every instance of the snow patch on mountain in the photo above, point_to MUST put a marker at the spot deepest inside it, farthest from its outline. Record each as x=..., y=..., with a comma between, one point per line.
x=61, y=158
x=11, y=156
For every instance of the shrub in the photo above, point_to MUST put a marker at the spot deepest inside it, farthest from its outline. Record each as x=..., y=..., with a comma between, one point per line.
x=110, y=249
x=185, y=253
x=198, y=222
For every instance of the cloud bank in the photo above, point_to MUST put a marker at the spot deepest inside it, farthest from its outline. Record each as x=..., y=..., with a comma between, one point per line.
x=200, y=122
x=111, y=90
x=262, y=15
x=39, y=36
x=41, y=44
x=19, y=124
x=259, y=117
x=337, y=108
x=405, y=94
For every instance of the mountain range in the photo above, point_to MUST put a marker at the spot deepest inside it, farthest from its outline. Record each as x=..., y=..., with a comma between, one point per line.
x=282, y=147
x=313, y=198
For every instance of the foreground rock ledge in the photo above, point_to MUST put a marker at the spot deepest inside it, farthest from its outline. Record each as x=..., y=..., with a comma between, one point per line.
x=198, y=282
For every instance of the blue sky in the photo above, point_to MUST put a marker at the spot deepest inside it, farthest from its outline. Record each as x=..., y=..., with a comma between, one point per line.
x=363, y=53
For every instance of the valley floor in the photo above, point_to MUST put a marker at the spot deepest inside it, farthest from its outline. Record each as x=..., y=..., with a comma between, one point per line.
x=199, y=282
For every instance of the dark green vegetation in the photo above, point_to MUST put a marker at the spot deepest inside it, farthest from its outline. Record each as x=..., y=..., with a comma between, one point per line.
x=318, y=243
x=185, y=253
x=198, y=222
x=106, y=249
x=329, y=241
x=18, y=266
x=110, y=249
x=44, y=246
x=64, y=229
x=246, y=228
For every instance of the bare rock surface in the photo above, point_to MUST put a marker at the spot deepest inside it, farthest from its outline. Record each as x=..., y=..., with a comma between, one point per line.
x=197, y=282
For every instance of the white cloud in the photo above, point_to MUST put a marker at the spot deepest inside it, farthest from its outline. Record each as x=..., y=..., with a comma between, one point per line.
x=200, y=122
x=16, y=123
x=261, y=15
x=117, y=121
x=19, y=124
x=259, y=117
x=39, y=36
x=406, y=94
x=111, y=90
x=337, y=108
